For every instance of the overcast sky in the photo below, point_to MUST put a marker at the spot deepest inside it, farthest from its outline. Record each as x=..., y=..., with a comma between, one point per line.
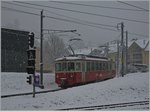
x=90, y=35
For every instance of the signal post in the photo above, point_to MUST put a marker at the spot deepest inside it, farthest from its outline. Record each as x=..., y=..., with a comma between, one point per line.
x=31, y=61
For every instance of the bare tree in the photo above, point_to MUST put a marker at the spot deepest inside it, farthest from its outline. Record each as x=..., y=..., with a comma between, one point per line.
x=54, y=47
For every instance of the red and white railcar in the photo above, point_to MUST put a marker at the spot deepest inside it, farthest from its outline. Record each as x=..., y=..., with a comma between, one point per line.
x=81, y=69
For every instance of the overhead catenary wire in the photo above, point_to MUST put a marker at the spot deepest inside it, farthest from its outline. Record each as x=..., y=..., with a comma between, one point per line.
x=133, y=6
x=61, y=19
x=96, y=6
x=12, y=3
x=77, y=22
x=88, y=13
x=63, y=15
x=140, y=35
x=85, y=21
x=11, y=9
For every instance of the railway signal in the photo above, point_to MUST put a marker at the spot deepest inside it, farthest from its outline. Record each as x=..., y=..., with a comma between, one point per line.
x=31, y=40
x=29, y=79
x=31, y=61
x=31, y=54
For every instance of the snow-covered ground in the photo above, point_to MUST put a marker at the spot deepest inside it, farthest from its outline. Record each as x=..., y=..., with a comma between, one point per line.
x=12, y=83
x=130, y=88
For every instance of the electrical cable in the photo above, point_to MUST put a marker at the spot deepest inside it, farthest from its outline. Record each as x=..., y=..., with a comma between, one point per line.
x=88, y=13
x=12, y=3
x=133, y=6
x=11, y=9
x=63, y=15
x=97, y=6
x=66, y=20
x=77, y=19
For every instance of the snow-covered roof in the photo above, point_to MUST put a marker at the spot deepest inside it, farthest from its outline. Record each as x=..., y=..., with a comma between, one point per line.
x=130, y=43
x=141, y=42
x=147, y=47
x=80, y=58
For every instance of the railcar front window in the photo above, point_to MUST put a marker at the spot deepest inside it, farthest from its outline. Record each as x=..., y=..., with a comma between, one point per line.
x=58, y=67
x=100, y=66
x=64, y=66
x=96, y=65
x=92, y=66
x=71, y=66
x=88, y=66
x=78, y=66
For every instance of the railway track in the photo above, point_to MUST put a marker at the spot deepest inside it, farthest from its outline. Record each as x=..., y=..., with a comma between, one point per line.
x=30, y=93
x=111, y=106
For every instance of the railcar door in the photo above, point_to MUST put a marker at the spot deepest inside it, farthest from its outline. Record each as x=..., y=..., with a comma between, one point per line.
x=83, y=71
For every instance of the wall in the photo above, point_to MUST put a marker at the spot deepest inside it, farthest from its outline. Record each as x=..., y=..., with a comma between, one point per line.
x=14, y=44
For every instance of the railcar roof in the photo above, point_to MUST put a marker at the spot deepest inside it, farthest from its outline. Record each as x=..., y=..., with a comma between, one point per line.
x=81, y=58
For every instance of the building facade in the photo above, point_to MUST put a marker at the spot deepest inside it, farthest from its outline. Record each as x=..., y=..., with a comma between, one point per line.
x=14, y=44
x=145, y=54
x=138, y=52
x=135, y=54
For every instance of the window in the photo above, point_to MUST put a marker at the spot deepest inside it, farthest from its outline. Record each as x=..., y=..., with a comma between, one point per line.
x=96, y=65
x=78, y=66
x=58, y=67
x=113, y=66
x=64, y=66
x=71, y=66
x=106, y=66
x=83, y=66
x=109, y=66
x=92, y=65
x=103, y=67
x=100, y=65
x=88, y=66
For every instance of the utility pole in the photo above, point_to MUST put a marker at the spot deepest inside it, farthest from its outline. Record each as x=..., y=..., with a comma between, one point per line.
x=122, y=48
x=126, y=52
x=107, y=50
x=118, y=58
x=41, y=53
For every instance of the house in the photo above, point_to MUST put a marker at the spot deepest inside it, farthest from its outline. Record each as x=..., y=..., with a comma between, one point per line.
x=138, y=52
